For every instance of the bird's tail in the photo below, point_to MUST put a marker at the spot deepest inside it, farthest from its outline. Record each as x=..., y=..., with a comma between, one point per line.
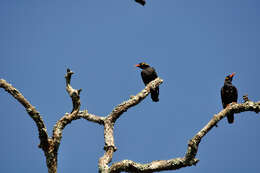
x=230, y=118
x=155, y=94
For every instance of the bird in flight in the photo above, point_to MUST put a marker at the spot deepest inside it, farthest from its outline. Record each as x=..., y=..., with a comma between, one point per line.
x=142, y=2
x=149, y=74
x=229, y=95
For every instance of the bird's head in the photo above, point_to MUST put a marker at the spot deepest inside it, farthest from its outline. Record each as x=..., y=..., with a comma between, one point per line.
x=142, y=65
x=229, y=77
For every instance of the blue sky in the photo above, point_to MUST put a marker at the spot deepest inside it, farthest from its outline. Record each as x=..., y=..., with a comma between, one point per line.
x=192, y=44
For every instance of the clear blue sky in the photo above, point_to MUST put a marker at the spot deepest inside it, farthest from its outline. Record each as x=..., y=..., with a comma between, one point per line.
x=193, y=44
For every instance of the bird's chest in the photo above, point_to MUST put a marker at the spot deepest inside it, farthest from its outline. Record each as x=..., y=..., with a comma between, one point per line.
x=228, y=90
x=146, y=74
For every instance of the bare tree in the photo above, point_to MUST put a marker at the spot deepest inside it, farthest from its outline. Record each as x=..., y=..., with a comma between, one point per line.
x=50, y=145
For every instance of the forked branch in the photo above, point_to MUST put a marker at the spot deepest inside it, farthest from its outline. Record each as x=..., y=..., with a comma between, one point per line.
x=110, y=120
x=67, y=118
x=50, y=146
x=189, y=158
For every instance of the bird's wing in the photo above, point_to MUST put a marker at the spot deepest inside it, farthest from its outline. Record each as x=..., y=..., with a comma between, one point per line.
x=142, y=2
x=148, y=75
x=228, y=95
x=154, y=74
x=235, y=95
x=145, y=77
x=223, y=97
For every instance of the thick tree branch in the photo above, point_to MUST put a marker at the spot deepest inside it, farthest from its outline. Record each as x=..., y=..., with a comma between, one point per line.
x=158, y=165
x=110, y=147
x=134, y=100
x=67, y=118
x=52, y=154
x=75, y=114
x=91, y=117
x=233, y=108
x=189, y=158
x=50, y=146
x=34, y=114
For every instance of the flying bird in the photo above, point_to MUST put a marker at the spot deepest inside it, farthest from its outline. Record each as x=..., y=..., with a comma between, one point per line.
x=142, y=2
x=149, y=74
x=229, y=95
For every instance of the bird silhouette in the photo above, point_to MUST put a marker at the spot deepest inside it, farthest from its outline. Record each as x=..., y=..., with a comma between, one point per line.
x=149, y=74
x=229, y=95
x=142, y=2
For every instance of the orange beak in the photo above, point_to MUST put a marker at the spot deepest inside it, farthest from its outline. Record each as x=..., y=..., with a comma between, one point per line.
x=137, y=65
x=232, y=75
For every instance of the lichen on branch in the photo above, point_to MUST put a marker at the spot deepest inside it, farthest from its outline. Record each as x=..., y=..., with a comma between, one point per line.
x=31, y=110
x=50, y=145
x=110, y=120
x=193, y=145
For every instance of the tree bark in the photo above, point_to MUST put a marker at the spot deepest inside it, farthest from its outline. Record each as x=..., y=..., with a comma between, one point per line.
x=50, y=145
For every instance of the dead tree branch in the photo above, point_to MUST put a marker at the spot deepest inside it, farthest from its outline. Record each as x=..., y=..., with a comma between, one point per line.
x=65, y=120
x=91, y=117
x=189, y=158
x=31, y=110
x=110, y=120
x=50, y=145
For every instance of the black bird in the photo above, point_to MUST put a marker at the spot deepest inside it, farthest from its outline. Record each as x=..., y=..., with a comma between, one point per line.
x=229, y=95
x=149, y=74
x=142, y=2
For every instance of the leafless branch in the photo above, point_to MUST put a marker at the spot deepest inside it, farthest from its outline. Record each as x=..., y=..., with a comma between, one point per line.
x=50, y=146
x=134, y=100
x=67, y=118
x=34, y=114
x=91, y=117
x=155, y=166
x=189, y=158
x=110, y=147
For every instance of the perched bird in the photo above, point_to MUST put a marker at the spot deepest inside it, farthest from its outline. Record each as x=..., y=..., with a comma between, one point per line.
x=142, y=2
x=149, y=74
x=229, y=95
